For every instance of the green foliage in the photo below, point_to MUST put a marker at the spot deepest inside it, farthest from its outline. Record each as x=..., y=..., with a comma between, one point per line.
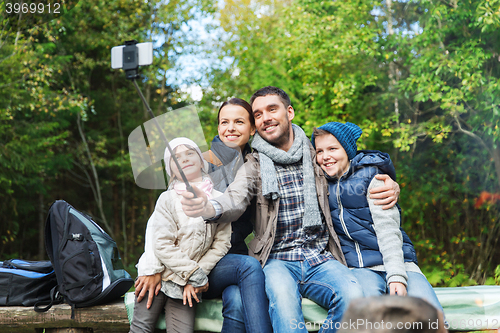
x=456, y=72
x=437, y=198
x=449, y=278
x=65, y=117
x=494, y=280
x=422, y=80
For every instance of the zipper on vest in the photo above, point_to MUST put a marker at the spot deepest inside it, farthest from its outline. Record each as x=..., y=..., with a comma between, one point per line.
x=344, y=226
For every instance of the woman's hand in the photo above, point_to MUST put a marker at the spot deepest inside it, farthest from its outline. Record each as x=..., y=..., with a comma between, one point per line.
x=189, y=292
x=147, y=283
x=388, y=194
x=397, y=288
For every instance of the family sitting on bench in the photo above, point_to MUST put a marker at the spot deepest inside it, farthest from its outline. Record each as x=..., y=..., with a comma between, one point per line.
x=324, y=218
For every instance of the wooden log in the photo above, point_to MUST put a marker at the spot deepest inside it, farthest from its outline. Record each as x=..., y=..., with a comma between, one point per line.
x=106, y=318
x=67, y=330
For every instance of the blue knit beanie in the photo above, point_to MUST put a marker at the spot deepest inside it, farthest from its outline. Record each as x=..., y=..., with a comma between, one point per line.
x=347, y=134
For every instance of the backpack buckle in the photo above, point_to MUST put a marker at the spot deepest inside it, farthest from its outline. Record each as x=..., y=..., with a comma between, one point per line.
x=76, y=237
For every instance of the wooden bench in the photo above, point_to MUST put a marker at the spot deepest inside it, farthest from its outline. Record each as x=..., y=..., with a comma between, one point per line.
x=112, y=317
x=109, y=318
x=466, y=309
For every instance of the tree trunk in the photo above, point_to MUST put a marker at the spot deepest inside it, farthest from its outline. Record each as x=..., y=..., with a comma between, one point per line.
x=97, y=194
x=390, y=30
x=132, y=219
x=116, y=211
x=496, y=159
x=41, y=225
x=123, y=191
x=123, y=194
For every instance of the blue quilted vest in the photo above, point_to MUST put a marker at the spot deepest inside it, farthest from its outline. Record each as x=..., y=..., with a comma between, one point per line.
x=348, y=203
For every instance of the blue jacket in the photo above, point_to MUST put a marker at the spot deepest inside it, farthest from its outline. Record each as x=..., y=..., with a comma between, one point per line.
x=350, y=210
x=224, y=162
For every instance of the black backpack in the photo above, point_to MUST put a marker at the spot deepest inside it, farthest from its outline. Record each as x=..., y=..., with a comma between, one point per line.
x=25, y=282
x=86, y=261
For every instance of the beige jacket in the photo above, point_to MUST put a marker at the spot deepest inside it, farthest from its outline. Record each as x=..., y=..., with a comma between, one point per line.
x=246, y=189
x=178, y=245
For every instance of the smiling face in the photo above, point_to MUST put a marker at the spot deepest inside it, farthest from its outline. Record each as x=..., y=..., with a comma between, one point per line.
x=273, y=121
x=235, y=127
x=331, y=156
x=190, y=163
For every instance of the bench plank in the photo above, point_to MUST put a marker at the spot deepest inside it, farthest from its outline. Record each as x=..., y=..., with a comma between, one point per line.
x=466, y=308
x=102, y=318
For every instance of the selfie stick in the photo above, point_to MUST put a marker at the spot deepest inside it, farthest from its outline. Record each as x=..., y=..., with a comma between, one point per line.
x=131, y=71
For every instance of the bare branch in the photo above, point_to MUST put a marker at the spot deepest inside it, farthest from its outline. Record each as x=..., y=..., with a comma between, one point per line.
x=74, y=174
x=88, y=178
x=96, y=176
x=72, y=178
x=472, y=135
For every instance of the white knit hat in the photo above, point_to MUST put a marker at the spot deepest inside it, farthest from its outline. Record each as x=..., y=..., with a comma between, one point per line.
x=179, y=142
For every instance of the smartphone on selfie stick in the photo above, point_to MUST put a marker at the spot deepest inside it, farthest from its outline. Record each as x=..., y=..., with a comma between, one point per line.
x=129, y=57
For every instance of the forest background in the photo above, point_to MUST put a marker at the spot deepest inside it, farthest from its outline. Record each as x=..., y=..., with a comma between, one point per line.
x=421, y=77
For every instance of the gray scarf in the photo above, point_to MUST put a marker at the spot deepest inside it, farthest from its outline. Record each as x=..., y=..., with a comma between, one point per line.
x=269, y=154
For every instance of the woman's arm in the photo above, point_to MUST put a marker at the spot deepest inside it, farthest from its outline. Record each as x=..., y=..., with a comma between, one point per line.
x=390, y=241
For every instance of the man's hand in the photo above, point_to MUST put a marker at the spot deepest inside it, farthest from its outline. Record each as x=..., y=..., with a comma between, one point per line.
x=199, y=206
x=388, y=194
x=397, y=288
x=148, y=283
x=189, y=292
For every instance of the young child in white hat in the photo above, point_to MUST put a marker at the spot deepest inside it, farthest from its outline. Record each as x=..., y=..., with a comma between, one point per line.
x=180, y=250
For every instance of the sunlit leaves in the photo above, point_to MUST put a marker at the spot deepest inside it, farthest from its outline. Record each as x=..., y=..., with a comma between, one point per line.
x=419, y=77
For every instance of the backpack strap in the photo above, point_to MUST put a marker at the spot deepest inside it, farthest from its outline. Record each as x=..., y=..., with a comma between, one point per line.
x=55, y=298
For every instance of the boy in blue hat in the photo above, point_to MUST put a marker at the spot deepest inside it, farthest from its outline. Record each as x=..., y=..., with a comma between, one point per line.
x=377, y=250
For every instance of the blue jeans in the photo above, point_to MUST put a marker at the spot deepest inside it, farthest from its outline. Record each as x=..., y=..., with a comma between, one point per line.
x=374, y=283
x=329, y=284
x=240, y=281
